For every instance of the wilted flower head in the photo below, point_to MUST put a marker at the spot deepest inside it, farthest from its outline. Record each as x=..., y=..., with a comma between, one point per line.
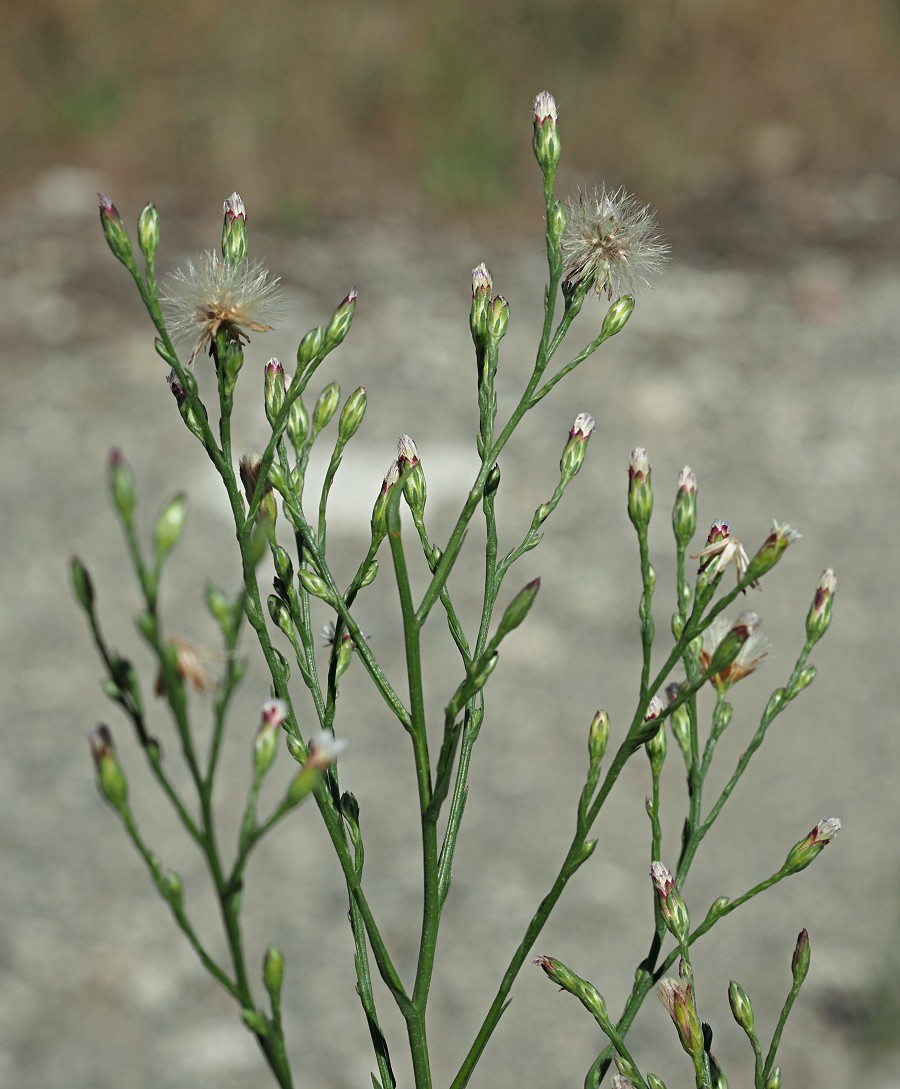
x=611, y=241
x=192, y=665
x=203, y=298
x=722, y=547
x=754, y=652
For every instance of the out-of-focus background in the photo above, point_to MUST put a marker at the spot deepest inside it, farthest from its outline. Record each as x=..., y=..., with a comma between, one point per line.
x=389, y=146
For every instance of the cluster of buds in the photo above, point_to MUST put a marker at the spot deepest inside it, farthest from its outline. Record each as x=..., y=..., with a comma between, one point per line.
x=673, y=908
x=489, y=316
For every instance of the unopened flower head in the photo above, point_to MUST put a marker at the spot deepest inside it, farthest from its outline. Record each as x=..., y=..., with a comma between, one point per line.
x=819, y=616
x=576, y=446
x=274, y=713
x=546, y=138
x=678, y=999
x=803, y=853
x=640, y=491
x=772, y=548
x=205, y=297
x=722, y=547
x=611, y=242
x=684, y=513
x=754, y=650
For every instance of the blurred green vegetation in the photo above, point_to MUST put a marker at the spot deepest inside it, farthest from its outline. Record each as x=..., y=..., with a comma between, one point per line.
x=308, y=105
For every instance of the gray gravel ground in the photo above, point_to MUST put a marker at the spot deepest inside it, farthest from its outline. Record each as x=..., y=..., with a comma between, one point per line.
x=779, y=386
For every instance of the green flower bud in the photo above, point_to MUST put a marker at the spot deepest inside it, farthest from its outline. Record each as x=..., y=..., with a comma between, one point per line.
x=369, y=574
x=115, y=232
x=561, y=975
x=169, y=526
x=298, y=423
x=640, y=491
x=344, y=655
x=82, y=584
x=111, y=780
x=121, y=486
x=148, y=231
x=771, y=550
x=352, y=415
x=656, y=749
x=741, y=1008
x=497, y=318
x=414, y=488
x=800, y=959
x=598, y=738
x=234, y=231
x=219, y=606
x=575, y=449
x=804, y=852
x=803, y=680
x=341, y=320
x=653, y=1082
x=274, y=389
x=314, y=584
x=379, y=511
x=774, y=1081
x=819, y=616
x=557, y=222
x=493, y=480
x=280, y=614
x=717, y=907
x=684, y=513
x=617, y=316
x=256, y=1022
x=273, y=971
x=517, y=609
x=326, y=406
x=546, y=137
x=172, y=888
x=310, y=347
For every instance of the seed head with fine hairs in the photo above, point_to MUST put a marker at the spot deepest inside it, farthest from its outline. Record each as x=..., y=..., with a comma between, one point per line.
x=203, y=297
x=612, y=242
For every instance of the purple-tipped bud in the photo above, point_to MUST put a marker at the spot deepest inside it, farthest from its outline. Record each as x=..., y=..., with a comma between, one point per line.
x=674, y=910
x=678, y=999
x=617, y=316
x=82, y=584
x=546, y=138
x=274, y=389
x=640, y=491
x=121, y=486
x=379, y=511
x=819, y=616
x=414, y=488
x=352, y=415
x=557, y=971
x=684, y=513
x=325, y=407
x=148, y=231
x=517, y=609
x=741, y=1008
x=234, y=230
x=114, y=230
x=111, y=781
x=274, y=713
x=341, y=319
x=576, y=447
x=804, y=852
x=800, y=959
x=772, y=549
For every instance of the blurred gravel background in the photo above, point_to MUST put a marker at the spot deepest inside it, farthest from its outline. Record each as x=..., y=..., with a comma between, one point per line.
x=766, y=359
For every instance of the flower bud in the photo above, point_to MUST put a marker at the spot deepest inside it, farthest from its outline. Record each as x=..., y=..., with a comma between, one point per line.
x=379, y=511
x=800, y=959
x=546, y=138
x=265, y=744
x=774, y=1081
x=82, y=584
x=804, y=679
x=115, y=232
x=684, y=513
x=517, y=609
x=561, y=975
x=575, y=449
x=344, y=655
x=819, y=616
x=414, y=488
x=640, y=491
x=314, y=584
x=741, y=1008
x=678, y=999
x=482, y=286
x=148, y=231
x=803, y=853
x=617, y=316
x=326, y=406
x=274, y=389
x=771, y=550
x=310, y=347
x=369, y=574
x=653, y=1082
x=169, y=526
x=341, y=320
x=674, y=910
x=681, y=721
x=297, y=423
x=121, y=485
x=280, y=614
x=256, y=1022
x=111, y=780
x=557, y=222
x=497, y=318
x=352, y=415
x=273, y=971
x=234, y=231
x=656, y=749
x=598, y=738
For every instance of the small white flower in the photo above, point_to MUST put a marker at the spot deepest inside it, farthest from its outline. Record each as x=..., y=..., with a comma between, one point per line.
x=756, y=651
x=324, y=748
